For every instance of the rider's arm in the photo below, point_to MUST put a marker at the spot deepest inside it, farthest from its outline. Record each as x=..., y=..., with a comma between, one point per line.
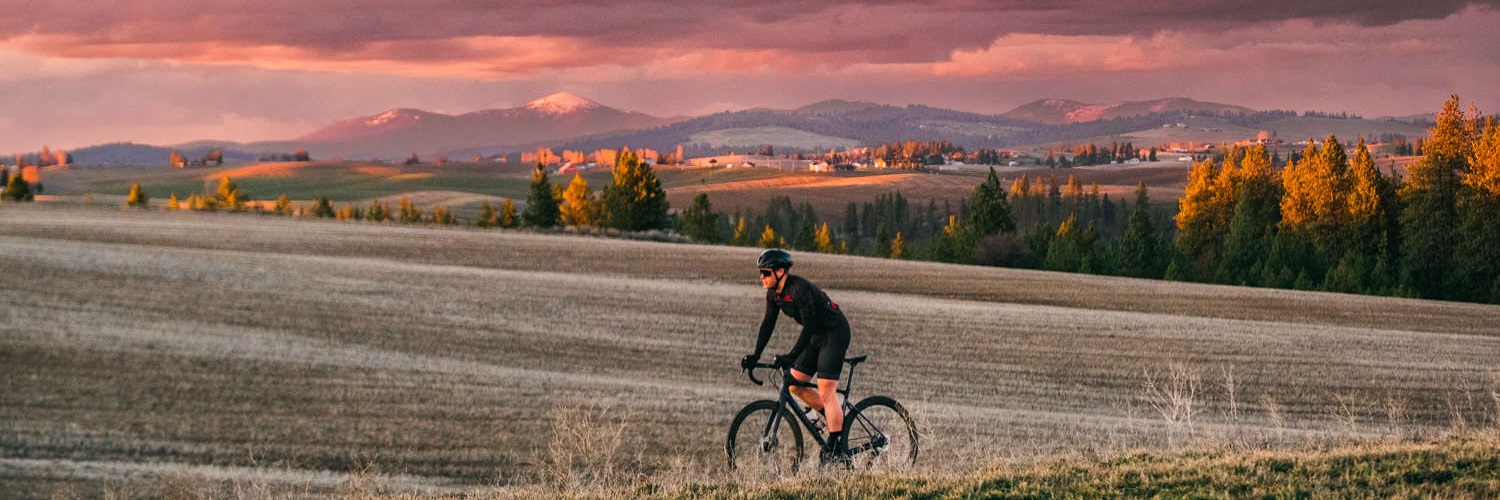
x=767, y=325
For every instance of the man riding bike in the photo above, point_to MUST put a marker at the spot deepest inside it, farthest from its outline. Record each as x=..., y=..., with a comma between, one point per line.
x=819, y=349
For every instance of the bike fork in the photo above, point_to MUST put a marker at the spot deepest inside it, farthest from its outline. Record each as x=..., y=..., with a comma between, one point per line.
x=768, y=437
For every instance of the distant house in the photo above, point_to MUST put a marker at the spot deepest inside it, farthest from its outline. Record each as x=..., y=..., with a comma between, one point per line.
x=819, y=166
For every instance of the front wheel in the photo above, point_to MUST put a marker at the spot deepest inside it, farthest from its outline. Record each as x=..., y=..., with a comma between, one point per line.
x=756, y=449
x=882, y=436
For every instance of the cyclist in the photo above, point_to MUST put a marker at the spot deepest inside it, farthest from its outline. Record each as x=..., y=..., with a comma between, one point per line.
x=819, y=349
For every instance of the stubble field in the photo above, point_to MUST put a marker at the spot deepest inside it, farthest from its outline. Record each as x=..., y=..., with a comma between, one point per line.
x=143, y=350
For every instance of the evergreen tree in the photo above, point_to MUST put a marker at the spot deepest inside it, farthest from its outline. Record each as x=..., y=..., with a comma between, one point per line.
x=137, y=197
x=379, y=211
x=1141, y=252
x=806, y=233
x=699, y=221
x=578, y=205
x=635, y=201
x=851, y=220
x=541, y=205
x=508, y=219
x=882, y=242
x=956, y=244
x=487, y=217
x=1073, y=249
x=1429, y=218
x=16, y=188
x=323, y=207
x=1252, y=226
x=1477, y=257
x=807, y=228
x=989, y=211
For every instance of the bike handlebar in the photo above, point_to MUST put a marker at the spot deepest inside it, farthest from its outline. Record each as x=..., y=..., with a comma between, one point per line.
x=751, y=372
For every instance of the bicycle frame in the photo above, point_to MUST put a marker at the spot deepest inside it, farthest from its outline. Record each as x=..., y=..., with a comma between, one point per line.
x=786, y=401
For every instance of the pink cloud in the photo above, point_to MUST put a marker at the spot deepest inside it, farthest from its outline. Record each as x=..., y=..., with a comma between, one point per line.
x=479, y=33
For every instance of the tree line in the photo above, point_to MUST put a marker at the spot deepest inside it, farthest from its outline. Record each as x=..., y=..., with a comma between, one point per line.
x=1328, y=220
x=1333, y=222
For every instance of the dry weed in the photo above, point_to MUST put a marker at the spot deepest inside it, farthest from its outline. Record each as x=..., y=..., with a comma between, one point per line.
x=1174, y=396
x=586, y=447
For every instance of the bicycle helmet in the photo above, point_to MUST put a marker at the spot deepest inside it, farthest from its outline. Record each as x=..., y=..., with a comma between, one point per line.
x=774, y=258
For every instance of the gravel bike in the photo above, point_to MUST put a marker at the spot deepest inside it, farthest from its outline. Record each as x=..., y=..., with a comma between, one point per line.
x=765, y=438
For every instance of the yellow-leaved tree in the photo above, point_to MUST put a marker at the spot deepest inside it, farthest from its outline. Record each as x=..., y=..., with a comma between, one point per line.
x=578, y=204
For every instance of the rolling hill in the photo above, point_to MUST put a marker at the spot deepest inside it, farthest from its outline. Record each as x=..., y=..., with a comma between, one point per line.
x=126, y=153
x=1063, y=111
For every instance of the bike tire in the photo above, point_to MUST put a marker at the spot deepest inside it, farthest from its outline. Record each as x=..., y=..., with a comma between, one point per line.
x=882, y=436
x=754, y=452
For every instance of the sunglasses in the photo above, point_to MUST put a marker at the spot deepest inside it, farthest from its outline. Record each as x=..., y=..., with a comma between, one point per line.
x=766, y=273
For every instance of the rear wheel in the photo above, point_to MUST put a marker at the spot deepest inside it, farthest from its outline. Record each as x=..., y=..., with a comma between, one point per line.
x=882, y=436
x=756, y=449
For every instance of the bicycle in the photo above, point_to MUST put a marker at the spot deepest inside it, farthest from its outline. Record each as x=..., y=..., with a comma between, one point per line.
x=881, y=435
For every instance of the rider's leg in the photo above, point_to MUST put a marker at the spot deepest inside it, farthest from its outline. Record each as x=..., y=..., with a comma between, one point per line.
x=832, y=410
x=808, y=395
x=830, y=367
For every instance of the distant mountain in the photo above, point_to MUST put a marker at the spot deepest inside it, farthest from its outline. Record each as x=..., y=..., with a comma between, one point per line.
x=842, y=122
x=1063, y=111
x=399, y=132
x=566, y=121
x=834, y=107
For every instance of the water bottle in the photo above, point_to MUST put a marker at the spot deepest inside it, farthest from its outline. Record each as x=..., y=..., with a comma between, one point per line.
x=816, y=417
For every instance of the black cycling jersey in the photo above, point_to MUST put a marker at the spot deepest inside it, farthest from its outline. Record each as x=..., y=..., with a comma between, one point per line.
x=819, y=316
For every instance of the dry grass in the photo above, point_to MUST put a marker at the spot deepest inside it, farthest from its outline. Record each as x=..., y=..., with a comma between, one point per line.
x=305, y=356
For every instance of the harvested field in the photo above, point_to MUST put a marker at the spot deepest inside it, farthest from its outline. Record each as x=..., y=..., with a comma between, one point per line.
x=829, y=194
x=144, y=350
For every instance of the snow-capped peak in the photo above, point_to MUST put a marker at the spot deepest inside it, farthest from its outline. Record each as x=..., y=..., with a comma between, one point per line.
x=391, y=116
x=560, y=103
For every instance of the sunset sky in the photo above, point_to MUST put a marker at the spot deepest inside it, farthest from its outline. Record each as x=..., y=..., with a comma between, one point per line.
x=75, y=73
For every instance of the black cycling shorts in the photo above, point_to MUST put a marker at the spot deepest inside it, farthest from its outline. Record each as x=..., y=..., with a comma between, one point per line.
x=826, y=360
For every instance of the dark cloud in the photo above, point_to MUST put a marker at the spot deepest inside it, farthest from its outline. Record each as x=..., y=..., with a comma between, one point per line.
x=888, y=31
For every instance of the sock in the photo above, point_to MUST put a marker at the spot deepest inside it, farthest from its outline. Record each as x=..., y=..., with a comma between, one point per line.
x=836, y=441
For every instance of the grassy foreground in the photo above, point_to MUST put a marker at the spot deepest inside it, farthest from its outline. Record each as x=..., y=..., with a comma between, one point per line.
x=1467, y=467
x=1453, y=468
